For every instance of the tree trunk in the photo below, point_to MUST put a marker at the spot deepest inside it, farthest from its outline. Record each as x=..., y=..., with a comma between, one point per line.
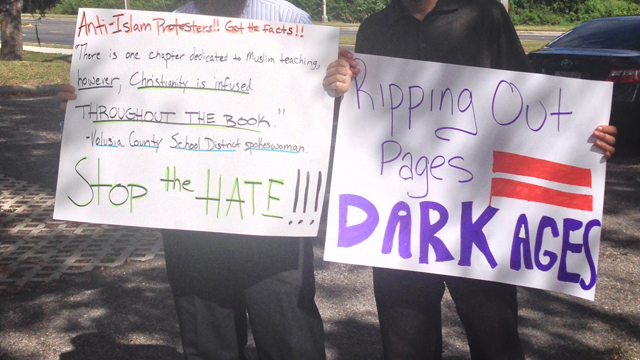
x=11, y=20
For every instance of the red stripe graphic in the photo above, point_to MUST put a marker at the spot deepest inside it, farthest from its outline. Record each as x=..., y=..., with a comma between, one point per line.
x=542, y=169
x=529, y=192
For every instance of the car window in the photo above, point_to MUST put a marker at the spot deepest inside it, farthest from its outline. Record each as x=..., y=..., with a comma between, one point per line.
x=607, y=34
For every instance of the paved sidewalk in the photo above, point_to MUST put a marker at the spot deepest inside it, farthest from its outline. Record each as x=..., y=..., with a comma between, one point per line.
x=45, y=49
x=35, y=248
x=48, y=50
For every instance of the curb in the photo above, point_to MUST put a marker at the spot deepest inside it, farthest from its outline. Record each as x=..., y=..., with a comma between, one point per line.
x=49, y=50
x=533, y=32
x=45, y=49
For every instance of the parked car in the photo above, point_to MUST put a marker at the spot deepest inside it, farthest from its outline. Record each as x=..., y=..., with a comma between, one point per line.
x=605, y=49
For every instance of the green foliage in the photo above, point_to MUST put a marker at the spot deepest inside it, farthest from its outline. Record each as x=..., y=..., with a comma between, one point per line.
x=70, y=7
x=523, y=12
x=592, y=9
x=37, y=6
x=354, y=10
x=349, y=11
x=337, y=10
x=529, y=14
x=313, y=7
x=548, y=12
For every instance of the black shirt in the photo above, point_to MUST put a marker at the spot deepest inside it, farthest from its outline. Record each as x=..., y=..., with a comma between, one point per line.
x=462, y=32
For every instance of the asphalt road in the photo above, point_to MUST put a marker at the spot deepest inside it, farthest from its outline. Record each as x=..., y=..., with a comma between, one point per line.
x=49, y=31
x=128, y=313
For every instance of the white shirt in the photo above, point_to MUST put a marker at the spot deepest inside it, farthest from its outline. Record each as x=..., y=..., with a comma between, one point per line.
x=268, y=10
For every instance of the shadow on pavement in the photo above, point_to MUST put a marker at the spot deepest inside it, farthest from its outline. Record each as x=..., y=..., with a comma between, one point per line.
x=100, y=346
x=30, y=139
x=127, y=312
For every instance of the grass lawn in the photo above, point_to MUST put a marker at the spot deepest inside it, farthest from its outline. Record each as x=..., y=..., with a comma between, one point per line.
x=36, y=69
x=530, y=45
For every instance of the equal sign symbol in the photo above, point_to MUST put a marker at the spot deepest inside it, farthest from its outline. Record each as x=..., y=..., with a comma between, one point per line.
x=523, y=169
x=306, y=195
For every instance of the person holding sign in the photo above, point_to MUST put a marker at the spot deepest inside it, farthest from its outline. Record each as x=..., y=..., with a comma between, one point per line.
x=462, y=32
x=217, y=279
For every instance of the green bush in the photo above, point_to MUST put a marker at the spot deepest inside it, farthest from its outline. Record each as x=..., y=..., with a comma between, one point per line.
x=523, y=12
x=592, y=9
x=547, y=12
x=539, y=15
x=356, y=10
x=341, y=10
x=337, y=10
x=313, y=7
x=37, y=6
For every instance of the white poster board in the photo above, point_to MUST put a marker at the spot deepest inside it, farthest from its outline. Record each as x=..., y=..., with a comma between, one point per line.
x=197, y=122
x=470, y=172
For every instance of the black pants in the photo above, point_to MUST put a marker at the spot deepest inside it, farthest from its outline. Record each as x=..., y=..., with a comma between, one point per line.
x=217, y=279
x=410, y=315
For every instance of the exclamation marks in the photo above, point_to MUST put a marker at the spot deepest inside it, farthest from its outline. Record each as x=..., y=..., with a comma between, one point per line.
x=300, y=31
x=306, y=194
x=319, y=186
x=216, y=24
x=305, y=199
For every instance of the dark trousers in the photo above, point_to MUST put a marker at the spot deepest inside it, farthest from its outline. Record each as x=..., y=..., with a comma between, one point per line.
x=217, y=279
x=410, y=315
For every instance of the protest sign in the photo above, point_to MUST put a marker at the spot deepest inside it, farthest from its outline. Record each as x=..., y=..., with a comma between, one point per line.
x=470, y=172
x=197, y=122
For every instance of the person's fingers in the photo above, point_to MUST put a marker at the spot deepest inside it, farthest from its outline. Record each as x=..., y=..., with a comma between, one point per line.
x=338, y=76
x=66, y=96
x=608, y=130
x=339, y=73
x=607, y=147
x=341, y=66
x=342, y=52
x=339, y=83
x=606, y=139
x=67, y=92
x=67, y=88
x=347, y=56
x=355, y=70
